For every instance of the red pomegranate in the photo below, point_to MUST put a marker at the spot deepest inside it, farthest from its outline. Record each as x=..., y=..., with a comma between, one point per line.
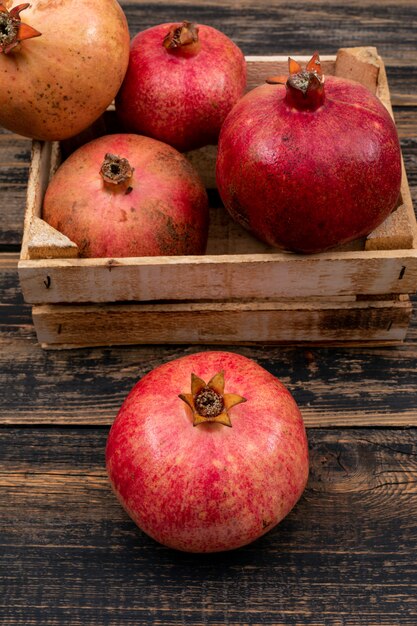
x=309, y=165
x=61, y=64
x=208, y=466
x=126, y=195
x=182, y=81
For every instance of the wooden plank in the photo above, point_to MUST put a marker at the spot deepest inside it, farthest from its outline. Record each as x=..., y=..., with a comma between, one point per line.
x=219, y=277
x=44, y=242
x=44, y=158
x=223, y=323
x=14, y=166
x=70, y=554
x=359, y=64
x=263, y=27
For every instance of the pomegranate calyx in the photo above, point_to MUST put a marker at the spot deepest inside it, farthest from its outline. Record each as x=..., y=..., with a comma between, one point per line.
x=309, y=78
x=116, y=170
x=12, y=29
x=183, y=37
x=208, y=402
x=301, y=78
x=305, y=87
x=276, y=80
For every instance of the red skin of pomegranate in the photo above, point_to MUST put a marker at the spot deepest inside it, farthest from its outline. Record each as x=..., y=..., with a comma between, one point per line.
x=179, y=98
x=161, y=210
x=57, y=84
x=209, y=487
x=308, y=180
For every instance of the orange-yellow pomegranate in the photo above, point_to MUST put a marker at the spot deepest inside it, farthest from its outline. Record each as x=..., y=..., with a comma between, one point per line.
x=61, y=64
x=208, y=452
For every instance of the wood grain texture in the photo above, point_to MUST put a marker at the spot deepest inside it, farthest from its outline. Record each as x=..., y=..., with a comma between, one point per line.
x=218, y=277
x=292, y=27
x=45, y=242
x=14, y=171
x=335, y=386
x=320, y=322
x=344, y=556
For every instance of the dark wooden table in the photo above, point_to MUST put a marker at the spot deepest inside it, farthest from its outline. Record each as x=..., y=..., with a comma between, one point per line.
x=346, y=555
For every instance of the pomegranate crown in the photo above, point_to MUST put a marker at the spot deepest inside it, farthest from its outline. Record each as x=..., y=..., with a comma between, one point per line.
x=12, y=29
x=208, y=402
x=311, y=77
x=184, y=34
x=116, y=170
x=305, y=87
x=182, y=40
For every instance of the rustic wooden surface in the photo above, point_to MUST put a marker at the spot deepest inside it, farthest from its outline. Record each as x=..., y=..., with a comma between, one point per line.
x=346, y=555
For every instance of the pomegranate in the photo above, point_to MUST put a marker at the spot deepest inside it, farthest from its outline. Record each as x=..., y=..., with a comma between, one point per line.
x=126, y=195
x=61, y=64
x=182, y=81
x=309, y=165
x=208, y=466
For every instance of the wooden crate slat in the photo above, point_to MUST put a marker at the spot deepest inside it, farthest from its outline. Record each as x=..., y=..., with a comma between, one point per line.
x=224, y=322
x=360, y=64
x=45, y=159
x=217, y=277
x=45, y=242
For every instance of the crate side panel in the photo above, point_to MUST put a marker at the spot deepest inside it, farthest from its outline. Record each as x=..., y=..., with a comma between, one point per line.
x=218, y=278
x=222, y=323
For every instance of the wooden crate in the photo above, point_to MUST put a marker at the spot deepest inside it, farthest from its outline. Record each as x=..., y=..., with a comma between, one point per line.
x=241, y=291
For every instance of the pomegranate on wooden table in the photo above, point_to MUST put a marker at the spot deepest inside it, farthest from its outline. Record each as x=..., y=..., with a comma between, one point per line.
x=127, y=195
x=208, y=452
x=61, y=64
x=182, y=81
x=310, y=164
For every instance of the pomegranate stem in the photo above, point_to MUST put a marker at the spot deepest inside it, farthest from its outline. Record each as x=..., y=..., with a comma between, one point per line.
x=182, y=39
x=305, y=87
x=115, y=170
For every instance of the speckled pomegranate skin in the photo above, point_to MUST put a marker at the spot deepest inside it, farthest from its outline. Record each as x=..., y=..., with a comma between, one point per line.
x=56, y=85
x=309, y=180
x=165, y=212
x=181, y=100
x=208, y=488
